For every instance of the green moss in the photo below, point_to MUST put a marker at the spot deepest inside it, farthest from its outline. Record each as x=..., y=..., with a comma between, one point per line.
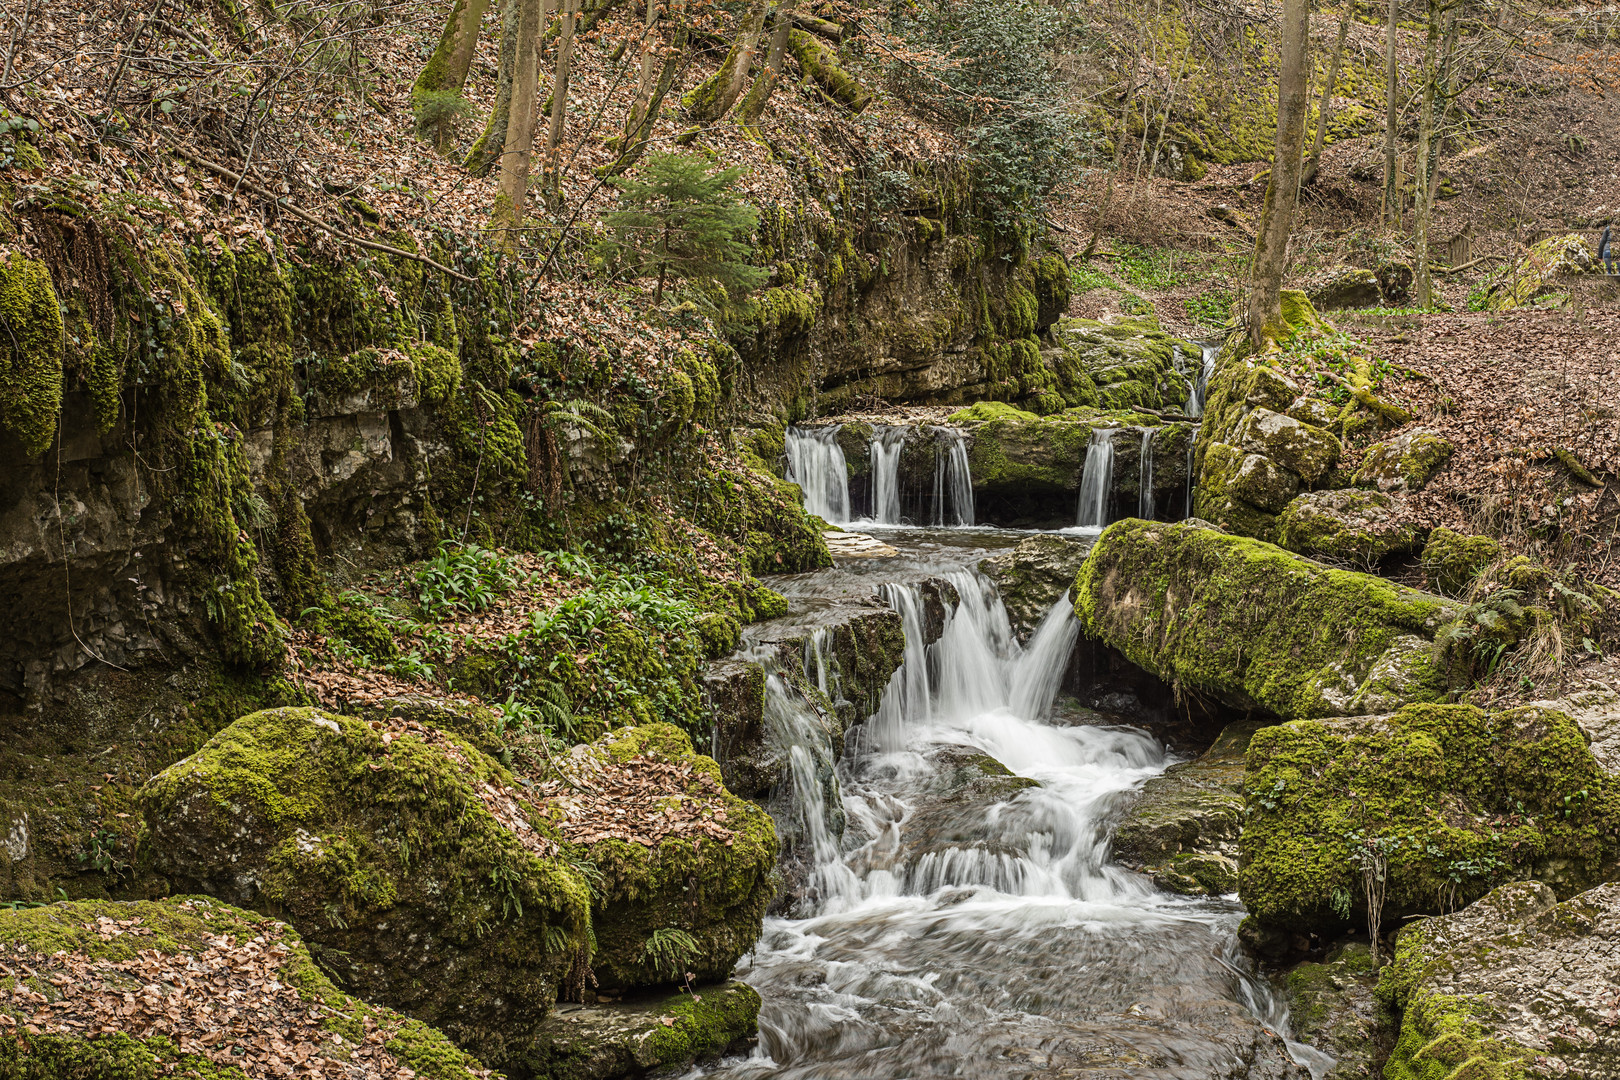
x=1406, y=462
x=438, y=372
x=1457, y=800
x=1359, y=526
x=30, y=353
x=984, y=411
x=363, y=631
x=1452, y=560
x=706, y=1027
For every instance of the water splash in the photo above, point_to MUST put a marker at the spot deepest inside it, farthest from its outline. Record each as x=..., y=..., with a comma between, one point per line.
x=1144, y=495
x=1097, y=479
x=953, y=479
x=816, y=463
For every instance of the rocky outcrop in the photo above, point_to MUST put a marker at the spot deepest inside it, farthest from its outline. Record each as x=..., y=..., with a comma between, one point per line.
x=1034, y=575
x=1451, y=560
x=1332, y=1007
x=1257, y=627
x=1516, y=984
x=190, y=986
x=1131, y=362
x=1345, y=287
x=608, y=1040
x=1359, y=527
x=1182, y=828
x=1550, y=266
x=1405, y=462
x=1443, y=801
x=950, y=814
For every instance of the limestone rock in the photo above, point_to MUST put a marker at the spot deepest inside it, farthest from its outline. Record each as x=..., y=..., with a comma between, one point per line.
x=1033, y=575
x=1361, y=526
x=1182, y=828
x=851, y=545
x=1345, y=287
x=1307, y=451
x=1261, y=482
x=1405, y=462
x=1131, y=360
x=1255, y=626
x=1456, y=800
x=1332, y=1007
x=1514, y=984
x=123, y=979
x=1548, y=266
x=1452, y=560
x=610, y=1040
x=950, y=812
x=403, y=855
x=1308, y=409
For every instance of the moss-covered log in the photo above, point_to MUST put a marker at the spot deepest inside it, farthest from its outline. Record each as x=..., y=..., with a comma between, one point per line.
x=821, y=66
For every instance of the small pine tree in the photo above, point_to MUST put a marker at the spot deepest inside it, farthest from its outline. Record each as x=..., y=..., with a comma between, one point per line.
x=677, y=219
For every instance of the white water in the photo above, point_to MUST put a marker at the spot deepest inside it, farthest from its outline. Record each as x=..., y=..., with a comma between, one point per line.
x=1097, y=479
x=953, y=479
x=887, y=443
x=954, y=932
x=1144, y=496
x=816, y=463
x=1200, y=385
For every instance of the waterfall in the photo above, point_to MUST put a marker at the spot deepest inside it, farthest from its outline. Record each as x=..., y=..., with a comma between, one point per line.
x=1097, y=479
x=816, y=464
x=1144, y=493
x=816, y=805
x=887, y=443
x=1200, y=385
x=953, y=479
x=1190, y=443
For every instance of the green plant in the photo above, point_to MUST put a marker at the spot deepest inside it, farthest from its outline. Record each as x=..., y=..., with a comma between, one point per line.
x=1484, y=630
x=1136, y=305
x=1212, y=309
x=1083, y=277
x=463, y=577
x=669, y=950
x=1148, y=268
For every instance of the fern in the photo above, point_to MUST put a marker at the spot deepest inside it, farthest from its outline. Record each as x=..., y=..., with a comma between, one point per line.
x=669, y=951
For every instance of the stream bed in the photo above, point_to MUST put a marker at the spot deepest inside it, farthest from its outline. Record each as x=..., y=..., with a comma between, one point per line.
x=969, y=923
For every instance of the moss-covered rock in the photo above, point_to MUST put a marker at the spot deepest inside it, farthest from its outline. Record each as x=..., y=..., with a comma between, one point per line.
x=1345, y=287
x=406, y=857
x=690, y=901
x=610, y=1040
x=1256, y=626
x=30, y=353
x=1359, y=526
x=1452, y=560
x=1332, y=1007
x=1542, y=272
x=189, y=986
x=1514, y=986
x=1131, y=362
x=1405, y=462
x=1307, y=451
x=1239, y=386
x=1451, y=799
x=1182, y=828
x=1033, y=576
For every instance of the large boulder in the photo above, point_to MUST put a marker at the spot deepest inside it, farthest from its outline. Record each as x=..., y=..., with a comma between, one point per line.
x=1132, y=361
x=1345, y=287
x=1033, y=576
x=1257, y=627
x=1345, y=523
x=1405, y=462
x=1443, y=801
x=190, y=986
x=1551, y=265
x=1515, y=985
x=683, y=867
x=413, y=864
x=1452, y=560
x=1182, y=827
x=1306, y=451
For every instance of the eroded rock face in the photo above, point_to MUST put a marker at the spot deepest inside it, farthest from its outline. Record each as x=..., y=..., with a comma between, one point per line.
x=1257, y=627
x=1452, y=800
x=1516, y=984
x=1032, y=576
x=1358, y=526
x=1132, y=362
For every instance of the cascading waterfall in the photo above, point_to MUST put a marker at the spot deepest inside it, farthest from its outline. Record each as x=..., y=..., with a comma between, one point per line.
x=887, y=443
x=953, y=479
x=1200, y=386
x=1097, y=479
x=816, y=463
x=1144, y=495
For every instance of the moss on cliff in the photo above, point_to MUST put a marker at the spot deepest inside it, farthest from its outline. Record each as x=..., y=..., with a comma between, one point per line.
x=30, y=353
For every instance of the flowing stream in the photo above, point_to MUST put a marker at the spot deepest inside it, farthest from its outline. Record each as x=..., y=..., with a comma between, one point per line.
x=1097, y=479
x=955, y=922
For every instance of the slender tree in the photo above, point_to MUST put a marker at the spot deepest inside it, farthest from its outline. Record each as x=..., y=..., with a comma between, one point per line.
x=559, y=101
x=1324, y=111
x=644, y=111
x=436, y=94
x=1392, y=181
x=754, y=104
x=714, y=98
x=1282, y=193
x=512, y=195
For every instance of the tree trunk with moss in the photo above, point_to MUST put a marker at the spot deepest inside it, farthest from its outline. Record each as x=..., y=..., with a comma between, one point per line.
x=714, y=98
x=436, y=94
x=1325, y=111
x=639, y=124
x=559, y=102
x=486, y=151
x=820, y=65
x=1282, y=193
x=754, y=104
x=518, y=145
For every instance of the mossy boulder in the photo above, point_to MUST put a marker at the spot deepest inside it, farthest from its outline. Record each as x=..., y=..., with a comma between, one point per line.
x=1033, y=576
x=1258, y=627
x=951, y=809
x=1252, y=479
x=609, y=1040
x=1182, y=827
x=1452, y=799
x=1345, y=287
x=411, y=862
x=190, y=986
x=1131, y=361
x=1241, y=495
x=1332, y=1007
x=1546, y=269
x=1452, y=560
x=682, y=894
x=1307, y=451
x=1405, y=462
x=1358, y=526
x=1517, y=985
x=30, y=353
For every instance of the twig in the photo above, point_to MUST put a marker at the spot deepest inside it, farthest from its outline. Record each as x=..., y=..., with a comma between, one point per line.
x=1464, y=266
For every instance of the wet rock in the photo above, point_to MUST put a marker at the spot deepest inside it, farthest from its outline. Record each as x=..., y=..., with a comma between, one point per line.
x=1332, y=1007
x=1452, y=798
x=1182, y=828
x=1345, y=287
x=849, y=545
x=1405, y=462
x=154, y=988
x=1032, y=576
x=609, y=1040
x=1452, y=560
x=734, y=691
x=1514, y=984
x=1306, y=451
x=848, y=651
x=405, y=859
x=1358, y=526
x=950, y=815
x=1257, y=627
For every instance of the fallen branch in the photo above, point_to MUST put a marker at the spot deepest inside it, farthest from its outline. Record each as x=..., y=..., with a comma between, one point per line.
x=1464, y=266
x=252, y=188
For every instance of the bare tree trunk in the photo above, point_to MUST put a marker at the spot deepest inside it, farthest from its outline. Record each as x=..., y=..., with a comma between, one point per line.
x=645, y=82
x=1169, y=103
x=519, y=145
x=758, y=94
x=637, y=133
x=446, y=72
x=559, y=102
x=1392, y=195
x=1282, y=193
x=1422, y=282
x=715, y=97
x=1113, y=171
x=487, y=150
x=1325, y=111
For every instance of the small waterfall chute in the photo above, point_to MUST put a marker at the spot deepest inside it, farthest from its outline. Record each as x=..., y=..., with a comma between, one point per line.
x=1097, y=479
x=887, y=444
x=1200, y=385
x=816, y=463
x=953, y=479
x=1144, y=495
